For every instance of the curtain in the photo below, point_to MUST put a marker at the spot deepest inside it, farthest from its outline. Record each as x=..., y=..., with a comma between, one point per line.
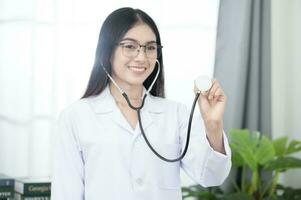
x=242, y=63
x=286, y=71
x=243, y=66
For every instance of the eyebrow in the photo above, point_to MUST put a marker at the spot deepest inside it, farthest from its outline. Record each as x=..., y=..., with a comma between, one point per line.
x=131, y=39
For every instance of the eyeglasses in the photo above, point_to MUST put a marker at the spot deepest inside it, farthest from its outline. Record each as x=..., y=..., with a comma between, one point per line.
x=131, y=49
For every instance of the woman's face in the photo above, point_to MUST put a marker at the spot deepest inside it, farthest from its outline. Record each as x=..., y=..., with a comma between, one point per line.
x=130, y=67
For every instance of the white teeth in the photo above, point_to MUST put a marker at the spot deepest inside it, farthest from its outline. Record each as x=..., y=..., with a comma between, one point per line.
x=137, y=69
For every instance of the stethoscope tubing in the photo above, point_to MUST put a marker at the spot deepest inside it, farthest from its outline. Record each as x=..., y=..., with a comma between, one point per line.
x=138, y=109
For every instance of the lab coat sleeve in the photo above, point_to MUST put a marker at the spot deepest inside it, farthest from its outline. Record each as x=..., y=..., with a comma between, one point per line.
x=68, y=168
x=203, y=164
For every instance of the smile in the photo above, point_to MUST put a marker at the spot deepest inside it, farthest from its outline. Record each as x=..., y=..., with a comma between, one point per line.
x=137, y=68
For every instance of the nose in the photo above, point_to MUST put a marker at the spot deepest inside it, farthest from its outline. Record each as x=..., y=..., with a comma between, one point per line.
x=141, y=54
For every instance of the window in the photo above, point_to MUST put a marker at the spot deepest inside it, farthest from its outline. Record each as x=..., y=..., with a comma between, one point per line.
x=46, y=54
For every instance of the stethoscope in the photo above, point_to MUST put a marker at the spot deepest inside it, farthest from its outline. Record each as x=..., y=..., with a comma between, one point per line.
x=203, y=83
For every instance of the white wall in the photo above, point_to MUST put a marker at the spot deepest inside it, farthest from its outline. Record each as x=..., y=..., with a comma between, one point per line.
x=286, y=75
x=46, y=53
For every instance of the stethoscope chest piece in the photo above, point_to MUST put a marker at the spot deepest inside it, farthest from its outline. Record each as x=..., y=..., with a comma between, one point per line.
x=203, y=83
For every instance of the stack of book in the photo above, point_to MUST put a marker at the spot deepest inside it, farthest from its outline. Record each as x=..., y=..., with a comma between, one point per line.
x=32, y=188
x=6, y=187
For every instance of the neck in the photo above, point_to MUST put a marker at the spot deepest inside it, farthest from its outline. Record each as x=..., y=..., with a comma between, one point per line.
x=134, y=94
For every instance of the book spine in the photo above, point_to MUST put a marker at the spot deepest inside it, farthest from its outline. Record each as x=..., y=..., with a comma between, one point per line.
x=37, y=189
x=6, y=188
x=36, y=198
x=21, y=197
x=7, y=182
x=6, y=194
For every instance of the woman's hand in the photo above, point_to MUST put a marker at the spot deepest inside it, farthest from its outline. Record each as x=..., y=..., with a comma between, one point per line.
x=212, y=103
x=212, y=106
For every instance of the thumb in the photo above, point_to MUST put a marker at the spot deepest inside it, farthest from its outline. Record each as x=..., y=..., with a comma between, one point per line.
x=204, y=96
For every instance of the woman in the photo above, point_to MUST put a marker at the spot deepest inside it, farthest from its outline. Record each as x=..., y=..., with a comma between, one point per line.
x=100, y=152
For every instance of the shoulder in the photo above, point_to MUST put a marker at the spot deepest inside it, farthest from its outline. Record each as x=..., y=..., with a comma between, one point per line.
x=82, y=107
x=74, y=109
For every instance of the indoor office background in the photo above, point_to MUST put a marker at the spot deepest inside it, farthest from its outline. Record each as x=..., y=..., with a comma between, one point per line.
x=47, y=51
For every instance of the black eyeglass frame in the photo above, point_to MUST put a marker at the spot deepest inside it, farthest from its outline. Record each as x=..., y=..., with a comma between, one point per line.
x=159, y=48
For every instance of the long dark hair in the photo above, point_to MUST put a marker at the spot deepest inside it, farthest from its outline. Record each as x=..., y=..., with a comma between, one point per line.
x=113, y=29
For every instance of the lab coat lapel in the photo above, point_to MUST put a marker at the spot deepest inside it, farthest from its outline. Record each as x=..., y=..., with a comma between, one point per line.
x=120, y=120
x=149, y=111
x=146, y=120
x=104, y=104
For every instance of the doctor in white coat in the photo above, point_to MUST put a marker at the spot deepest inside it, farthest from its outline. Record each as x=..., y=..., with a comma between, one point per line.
x=100, y=153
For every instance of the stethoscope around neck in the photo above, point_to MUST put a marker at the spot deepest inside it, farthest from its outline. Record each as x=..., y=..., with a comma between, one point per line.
x=203, y=83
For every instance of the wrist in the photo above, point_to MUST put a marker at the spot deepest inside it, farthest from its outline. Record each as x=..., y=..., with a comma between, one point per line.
x=214, y=133
x=214, y=127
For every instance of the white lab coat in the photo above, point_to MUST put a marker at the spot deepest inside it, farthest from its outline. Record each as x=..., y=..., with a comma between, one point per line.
x=98, y=156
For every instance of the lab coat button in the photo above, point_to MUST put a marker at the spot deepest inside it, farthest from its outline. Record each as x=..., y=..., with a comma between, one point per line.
x=139, y=181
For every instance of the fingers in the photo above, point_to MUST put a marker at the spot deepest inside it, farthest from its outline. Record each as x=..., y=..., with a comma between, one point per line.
x=219, y=92
x=215, y=91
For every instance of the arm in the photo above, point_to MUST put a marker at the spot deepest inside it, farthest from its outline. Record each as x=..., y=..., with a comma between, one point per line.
x=212, y=105
x=68, y=168
x=214, y=133
x=203, y=163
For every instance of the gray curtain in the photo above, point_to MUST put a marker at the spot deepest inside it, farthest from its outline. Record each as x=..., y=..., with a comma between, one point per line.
x=243, y=65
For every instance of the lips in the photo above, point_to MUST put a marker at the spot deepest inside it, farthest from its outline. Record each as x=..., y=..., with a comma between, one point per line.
x=137, y=68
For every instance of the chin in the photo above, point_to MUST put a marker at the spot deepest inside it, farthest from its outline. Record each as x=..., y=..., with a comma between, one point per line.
x=136, y=83
x=136, y=80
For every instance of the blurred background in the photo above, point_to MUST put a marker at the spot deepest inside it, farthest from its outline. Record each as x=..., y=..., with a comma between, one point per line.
x=47, y=51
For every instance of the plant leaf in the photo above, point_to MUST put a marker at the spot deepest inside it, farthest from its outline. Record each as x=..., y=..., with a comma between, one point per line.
x=237, y=196
x=237, y=160
x=293, y=147
x=280, y=146
x=283, y=163
x=265, y=151
x=243, y=144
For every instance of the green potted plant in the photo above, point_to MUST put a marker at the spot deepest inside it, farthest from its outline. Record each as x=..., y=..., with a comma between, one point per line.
x=256, y=154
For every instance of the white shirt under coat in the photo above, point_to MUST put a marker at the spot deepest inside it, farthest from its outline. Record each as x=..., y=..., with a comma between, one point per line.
x=99, y=156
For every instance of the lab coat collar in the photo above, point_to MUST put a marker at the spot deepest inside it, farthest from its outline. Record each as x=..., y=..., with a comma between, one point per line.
x=104, y=103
